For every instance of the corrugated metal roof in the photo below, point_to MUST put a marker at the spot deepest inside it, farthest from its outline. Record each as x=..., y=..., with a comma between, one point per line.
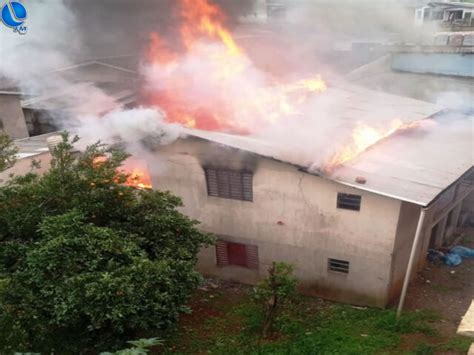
x=414, y=166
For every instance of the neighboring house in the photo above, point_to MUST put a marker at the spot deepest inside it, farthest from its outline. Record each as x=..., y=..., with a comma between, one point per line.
x=349, y=241
x=24, y=114
x=449, y=14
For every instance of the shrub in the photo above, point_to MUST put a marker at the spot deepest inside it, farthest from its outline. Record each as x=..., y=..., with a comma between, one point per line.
x=277, y=289
x=86, y=261
x=7, y=152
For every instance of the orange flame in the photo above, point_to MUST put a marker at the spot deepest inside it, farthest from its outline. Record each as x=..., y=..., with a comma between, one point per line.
x=136, y=170
x=214, y=85
x=139, y=178
x=364, y=137
x=202, y=18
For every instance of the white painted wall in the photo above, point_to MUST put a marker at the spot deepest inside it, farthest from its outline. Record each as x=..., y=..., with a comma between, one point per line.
x=293, y=218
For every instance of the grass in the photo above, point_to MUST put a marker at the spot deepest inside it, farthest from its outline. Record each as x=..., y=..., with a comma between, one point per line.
x=307, y=327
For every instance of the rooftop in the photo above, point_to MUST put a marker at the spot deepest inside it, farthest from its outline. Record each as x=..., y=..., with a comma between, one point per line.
x=415, y=166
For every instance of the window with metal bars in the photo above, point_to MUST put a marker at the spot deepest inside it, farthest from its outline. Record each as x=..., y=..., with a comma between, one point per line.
x=226, y=183
x=230, y=253
x=338, y=265
x=348, y=201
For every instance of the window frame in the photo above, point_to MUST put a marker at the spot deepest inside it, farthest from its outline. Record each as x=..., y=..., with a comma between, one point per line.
x=223, y=258
x=345, y=205
x=230, y=184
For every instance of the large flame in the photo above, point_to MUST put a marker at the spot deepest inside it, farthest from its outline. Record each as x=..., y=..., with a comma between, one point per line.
x=210, y=83
x=363, y=137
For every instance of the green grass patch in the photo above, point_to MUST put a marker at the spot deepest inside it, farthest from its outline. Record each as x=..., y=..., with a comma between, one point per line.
x=304, y=328
x=457, y=343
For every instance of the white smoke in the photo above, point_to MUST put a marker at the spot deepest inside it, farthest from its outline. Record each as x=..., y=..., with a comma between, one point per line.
x=53, y=42
x=129, y=126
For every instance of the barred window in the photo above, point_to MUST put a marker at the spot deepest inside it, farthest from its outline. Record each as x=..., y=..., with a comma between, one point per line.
x=229, y=253
x=226, y=183
x=338, y=265
x=348, y=201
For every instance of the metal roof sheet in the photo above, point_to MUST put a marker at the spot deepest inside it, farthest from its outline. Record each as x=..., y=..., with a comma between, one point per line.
x=413, y=166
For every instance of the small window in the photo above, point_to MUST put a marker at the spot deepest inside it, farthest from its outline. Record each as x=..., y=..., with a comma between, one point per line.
x=348, y=201
x=338, y=265
x=232, y=184
x=437, y=15
x=229, y=253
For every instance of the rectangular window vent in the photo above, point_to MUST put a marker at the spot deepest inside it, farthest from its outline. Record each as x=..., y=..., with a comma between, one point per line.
x=229, y=253
x=338, y=265
x=348, y=201
x=226, y=183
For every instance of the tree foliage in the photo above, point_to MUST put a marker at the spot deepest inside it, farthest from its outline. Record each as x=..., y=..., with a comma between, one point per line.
x=7, y=152
x=86, y=261
x=274, y=291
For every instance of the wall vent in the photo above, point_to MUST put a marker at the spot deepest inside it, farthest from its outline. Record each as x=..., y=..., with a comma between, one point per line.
x=348, y=201
x=338, y=265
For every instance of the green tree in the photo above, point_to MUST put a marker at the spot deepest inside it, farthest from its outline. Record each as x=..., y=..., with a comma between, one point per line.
x=86, y=261
x=7, y=152
x=274, y=291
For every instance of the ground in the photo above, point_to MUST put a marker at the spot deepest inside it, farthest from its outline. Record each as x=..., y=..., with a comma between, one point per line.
x=448, y=290
x=224, y=320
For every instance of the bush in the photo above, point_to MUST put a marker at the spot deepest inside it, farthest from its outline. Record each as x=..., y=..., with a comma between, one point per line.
x=274, y=291
x=86, y=261
x=7, y=152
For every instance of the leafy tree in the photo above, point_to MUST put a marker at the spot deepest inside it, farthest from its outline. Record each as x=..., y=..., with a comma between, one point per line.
x=86, y=261
x=274, y=291
x=7, y=152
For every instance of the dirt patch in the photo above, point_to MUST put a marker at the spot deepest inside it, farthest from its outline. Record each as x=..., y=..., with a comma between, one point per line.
x=444, y=289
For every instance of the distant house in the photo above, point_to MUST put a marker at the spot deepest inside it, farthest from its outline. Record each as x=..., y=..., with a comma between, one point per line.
x=450, y=14
x=26, y=113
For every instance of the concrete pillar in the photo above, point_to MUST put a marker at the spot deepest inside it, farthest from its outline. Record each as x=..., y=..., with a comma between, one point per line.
x=455, y=215
x=440, y=231
x=11, y=116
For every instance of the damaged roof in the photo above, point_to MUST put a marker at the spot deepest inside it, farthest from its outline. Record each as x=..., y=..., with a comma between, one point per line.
x=415, y=166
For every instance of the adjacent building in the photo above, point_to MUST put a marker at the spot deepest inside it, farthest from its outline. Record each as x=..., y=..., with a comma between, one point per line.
x=25, y=113
x=453, y=15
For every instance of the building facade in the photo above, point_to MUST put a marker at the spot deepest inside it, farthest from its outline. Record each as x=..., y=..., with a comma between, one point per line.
x=347, y=244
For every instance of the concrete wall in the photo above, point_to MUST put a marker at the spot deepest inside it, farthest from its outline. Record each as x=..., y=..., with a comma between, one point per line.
x=406, y=228
x=457, y=64
x=293, y=218
x=11, y=116
x=23, y=166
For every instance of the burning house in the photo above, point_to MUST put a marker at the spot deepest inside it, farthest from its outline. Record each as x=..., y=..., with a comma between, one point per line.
x=349, y=233
x=346, y=183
